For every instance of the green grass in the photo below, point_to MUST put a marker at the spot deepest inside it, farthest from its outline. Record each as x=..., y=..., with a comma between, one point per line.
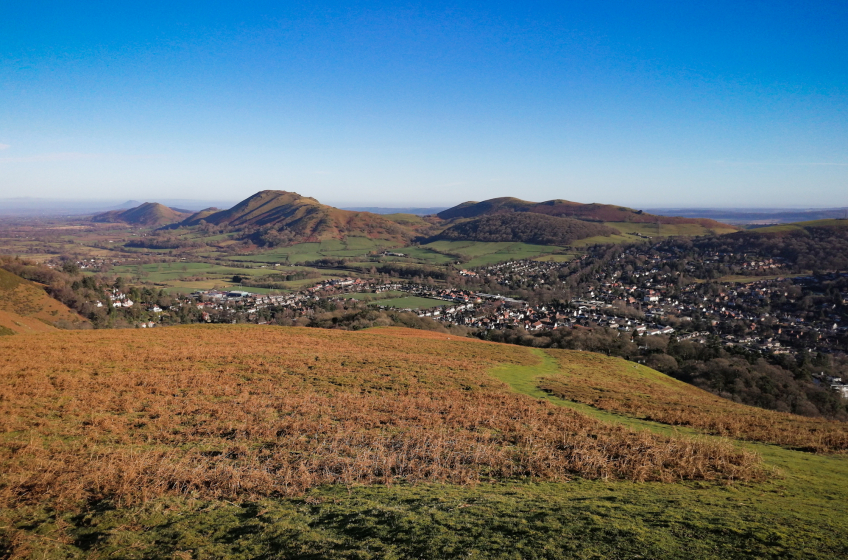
x=367, y=296
x=330, y=248
x=170, y=271
x=795, y=226
x=481, y=253
x=411, y=302
x=556, y=258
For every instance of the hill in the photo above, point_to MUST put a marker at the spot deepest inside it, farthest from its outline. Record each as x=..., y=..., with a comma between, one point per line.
x=25, y=307
x=527, y=227
x=150, y=214
x=283, y=218
x=566, y=209
x=244, y=441
x=801, y=246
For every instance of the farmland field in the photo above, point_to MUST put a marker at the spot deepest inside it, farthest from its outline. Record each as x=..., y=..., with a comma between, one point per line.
x=666, y=230
x=482, y=253
x=368, y=296
x=411, y=302
x=331, y=248
x=386, y=443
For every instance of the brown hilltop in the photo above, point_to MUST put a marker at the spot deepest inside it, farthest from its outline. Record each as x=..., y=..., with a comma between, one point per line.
x=148, y=214
x=287, y=217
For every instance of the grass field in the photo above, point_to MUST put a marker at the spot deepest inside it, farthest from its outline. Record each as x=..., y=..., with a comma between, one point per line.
x=481, y=253
x=667, y=230
x=410, y=302
x=367, y=296
x=350, y=247
x=799, y=226
x=173, y=444
x=171, y=271
x=186, y=277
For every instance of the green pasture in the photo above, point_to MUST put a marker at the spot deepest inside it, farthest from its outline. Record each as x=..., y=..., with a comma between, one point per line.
x=423, y=254
x=176, y=276
x=555, y=258
x=173, y=271
x=368, y=296
x=411, y=302
x=330, y=248
x=483, y=253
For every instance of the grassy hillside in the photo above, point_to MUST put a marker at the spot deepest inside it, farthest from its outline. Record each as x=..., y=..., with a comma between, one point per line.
x=525, y=227
x=151, y=214
x=26, y=308
x=245, y=442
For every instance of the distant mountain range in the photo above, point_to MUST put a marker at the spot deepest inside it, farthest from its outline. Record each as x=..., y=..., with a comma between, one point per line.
x=283, y=218
x=30, y=206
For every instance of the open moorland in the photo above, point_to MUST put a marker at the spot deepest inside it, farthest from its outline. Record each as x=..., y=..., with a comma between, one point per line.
x=248, y=441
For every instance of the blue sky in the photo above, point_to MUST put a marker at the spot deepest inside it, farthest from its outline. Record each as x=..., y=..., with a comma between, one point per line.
x=362, y=103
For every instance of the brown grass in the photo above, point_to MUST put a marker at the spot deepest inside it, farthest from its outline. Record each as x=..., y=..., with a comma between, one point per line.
x=620, y=386
x=239, y=411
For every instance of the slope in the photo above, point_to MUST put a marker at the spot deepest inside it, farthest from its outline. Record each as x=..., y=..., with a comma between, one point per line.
x=526, y=227
x=150, y=214
x=26, y=308
x=168, y=448
x=282, y=218
x=622, y=387
x=564, y=208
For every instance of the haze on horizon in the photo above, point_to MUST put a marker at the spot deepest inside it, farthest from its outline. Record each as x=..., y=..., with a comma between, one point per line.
x=380, y=104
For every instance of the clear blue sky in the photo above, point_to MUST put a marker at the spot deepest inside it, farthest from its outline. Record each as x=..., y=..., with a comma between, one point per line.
x=360, y=103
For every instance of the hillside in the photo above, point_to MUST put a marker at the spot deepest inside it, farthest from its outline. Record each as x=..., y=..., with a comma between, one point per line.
x=26, y=308
x=567, y=209
x=390, y=443
x=527, y=227
x=151, y=214
x=283, y=218
x=801, y=246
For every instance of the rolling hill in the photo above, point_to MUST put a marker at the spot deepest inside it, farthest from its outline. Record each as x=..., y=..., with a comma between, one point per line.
x=281, y=218
x=526, y=227
x=26, y=308
x=151, y=214
x=566, y=209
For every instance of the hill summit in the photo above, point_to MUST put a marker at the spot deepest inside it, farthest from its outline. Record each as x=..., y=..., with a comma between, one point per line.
x=147, y=214
x=566, y=209
x=281, y=217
